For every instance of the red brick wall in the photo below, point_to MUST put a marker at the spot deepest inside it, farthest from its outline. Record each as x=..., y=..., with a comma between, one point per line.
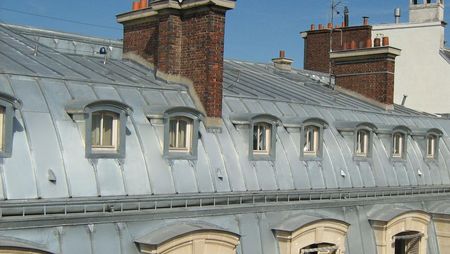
x=190, y=45
x=142, y=39
x=371, y=77
x=317, y=45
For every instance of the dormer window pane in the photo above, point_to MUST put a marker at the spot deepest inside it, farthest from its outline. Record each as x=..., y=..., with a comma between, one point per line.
x=311, y=140
x=431, y=144
x=398, y=140
x=261, y=138
x=2, y=128
x=104, y=130
x=180, y=134
x=362, y=143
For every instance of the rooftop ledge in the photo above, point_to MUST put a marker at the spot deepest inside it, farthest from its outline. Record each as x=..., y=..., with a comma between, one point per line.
x=172, y=4
x=364, y=52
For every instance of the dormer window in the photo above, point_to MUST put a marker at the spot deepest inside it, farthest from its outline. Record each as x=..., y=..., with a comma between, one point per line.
x=261, y=138
x=362, y=134
x=8, y=104
x=105, y=131
x=180, y=134
x=362, y=143
x=311, y=138
x=103, y=125
x=432, y=144
x=181, y=130
x=398, y=144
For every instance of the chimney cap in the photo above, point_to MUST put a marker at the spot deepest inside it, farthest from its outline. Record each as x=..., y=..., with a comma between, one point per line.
x=283, y=63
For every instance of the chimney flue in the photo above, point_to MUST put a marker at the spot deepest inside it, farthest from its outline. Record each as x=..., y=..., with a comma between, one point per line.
x=282, y=63
x=366, y=21
x=397, y=14
x=346, y=17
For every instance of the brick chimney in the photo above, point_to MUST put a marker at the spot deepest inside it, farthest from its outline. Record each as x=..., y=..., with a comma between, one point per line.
x=317, y=43
x=184, y=41
x=368, y=72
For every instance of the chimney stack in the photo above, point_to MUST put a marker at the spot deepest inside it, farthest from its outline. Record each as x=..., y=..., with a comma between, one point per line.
x=184, y=42
x=368, y=72
x=282, y=63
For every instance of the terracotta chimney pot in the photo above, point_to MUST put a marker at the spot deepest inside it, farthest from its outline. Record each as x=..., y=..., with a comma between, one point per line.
x=366, y=21
x=377, y=42
x=313, y=27
x=136, y=5
x=385, y=41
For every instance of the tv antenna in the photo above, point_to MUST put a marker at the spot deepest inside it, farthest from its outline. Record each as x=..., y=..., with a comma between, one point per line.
x=334, y=5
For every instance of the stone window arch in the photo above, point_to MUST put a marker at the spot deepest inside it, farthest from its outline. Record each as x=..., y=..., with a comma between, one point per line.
x=407, y=229
x=323, y=236
x=189, y=239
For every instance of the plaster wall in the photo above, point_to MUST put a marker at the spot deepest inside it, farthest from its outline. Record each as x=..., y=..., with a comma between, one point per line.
x=421, y=72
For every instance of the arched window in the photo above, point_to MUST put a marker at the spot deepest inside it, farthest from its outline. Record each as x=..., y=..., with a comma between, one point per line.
x=432, y=138
x=311, y=139
x=399, y=142
x=262, y=138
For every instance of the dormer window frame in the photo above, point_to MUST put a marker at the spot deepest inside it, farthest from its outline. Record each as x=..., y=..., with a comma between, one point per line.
x=270, y=124
x=84, y=111
x=431, y=149
x=364, y=141
x=8, y=105
x=193, y=117
x=317, y=125
x=399, y=143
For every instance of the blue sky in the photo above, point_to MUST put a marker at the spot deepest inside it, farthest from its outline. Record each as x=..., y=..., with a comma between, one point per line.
x=255, y=31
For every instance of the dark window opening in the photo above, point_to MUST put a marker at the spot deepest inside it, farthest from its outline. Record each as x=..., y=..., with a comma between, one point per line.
x=321, y=248
x=407, y=243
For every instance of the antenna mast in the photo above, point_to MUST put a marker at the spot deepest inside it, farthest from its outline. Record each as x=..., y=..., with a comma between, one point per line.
x=333, y=6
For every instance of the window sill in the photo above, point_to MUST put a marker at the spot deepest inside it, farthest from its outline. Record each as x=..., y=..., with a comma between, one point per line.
x=180, y=155
x=105, y=154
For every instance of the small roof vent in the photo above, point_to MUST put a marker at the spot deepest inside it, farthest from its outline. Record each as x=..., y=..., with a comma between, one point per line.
x=283, y=63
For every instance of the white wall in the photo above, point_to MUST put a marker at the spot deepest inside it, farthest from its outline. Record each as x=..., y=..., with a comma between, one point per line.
x=421, y=72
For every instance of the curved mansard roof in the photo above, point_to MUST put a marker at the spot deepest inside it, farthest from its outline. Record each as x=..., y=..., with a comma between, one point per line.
x=46, y=137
